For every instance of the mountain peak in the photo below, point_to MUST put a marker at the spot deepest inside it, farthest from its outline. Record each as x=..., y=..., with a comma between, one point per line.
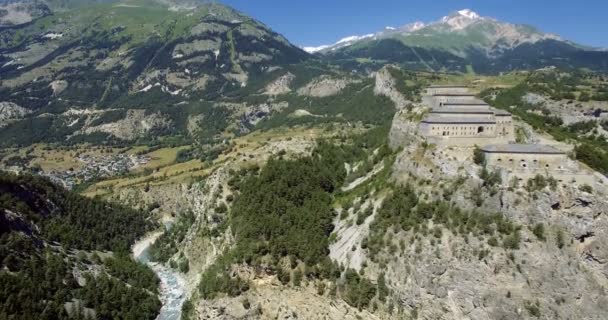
x=469, y=14
x=492, y=34
x=461, y=19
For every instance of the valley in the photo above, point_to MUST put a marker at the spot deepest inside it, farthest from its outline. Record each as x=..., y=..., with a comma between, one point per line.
x=181, y=160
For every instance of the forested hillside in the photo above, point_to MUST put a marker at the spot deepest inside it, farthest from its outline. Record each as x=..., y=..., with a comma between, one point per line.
x=56, y=260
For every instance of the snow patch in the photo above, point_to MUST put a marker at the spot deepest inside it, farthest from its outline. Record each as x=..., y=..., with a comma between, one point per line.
x=73, y=123
x=344, y=42
x=52, y=35
x=354, y=38
x=469, y=14
x=315, y=49
x=148, y=87
x=461, y=19
x=416, y=26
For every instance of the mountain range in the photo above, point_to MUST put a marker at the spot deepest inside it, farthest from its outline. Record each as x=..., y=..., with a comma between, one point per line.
x=256, y=180
x=96, y=70
x=464, y=39
x=487, y=31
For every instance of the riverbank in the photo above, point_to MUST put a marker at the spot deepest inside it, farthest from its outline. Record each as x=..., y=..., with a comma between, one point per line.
x=172, y=283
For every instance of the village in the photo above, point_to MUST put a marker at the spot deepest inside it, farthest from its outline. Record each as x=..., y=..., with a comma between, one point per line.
x=93, y=168
x=96, y=168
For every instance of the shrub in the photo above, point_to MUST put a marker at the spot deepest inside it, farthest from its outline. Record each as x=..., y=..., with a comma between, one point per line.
x=539, y=182
x=214, y=282
x=490, y=179
x=512, y=241
x=297, y=277
x=539, y=231
x=478, y=156
x=358, y=291
x=493, y=242
x=184, y=265
x=586, y=188
x=284, y=276
x=559, y=237
x=533, y=309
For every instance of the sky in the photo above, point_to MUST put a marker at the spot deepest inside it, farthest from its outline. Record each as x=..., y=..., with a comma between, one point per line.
x=319, y=22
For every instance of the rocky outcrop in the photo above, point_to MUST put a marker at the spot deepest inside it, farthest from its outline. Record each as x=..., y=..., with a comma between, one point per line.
x=347, y=250
x=325, y=86
x=16, y=12
x=58, y=86
x=270, y=301
x=281, y=85
x=136, y=124
x=403, y=131
x=570, y=111
x=11, y=111
x=562, y=276
x=386, y=86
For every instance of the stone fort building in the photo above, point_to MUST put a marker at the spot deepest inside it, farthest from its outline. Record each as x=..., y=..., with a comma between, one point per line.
x=525, y=156
x=525, y=161
x=459, y=118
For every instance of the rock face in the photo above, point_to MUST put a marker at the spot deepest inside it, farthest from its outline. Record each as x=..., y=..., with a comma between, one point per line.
x=325, y=86
x=136, y=124
x=199, y=198
x=386, y=86
x=570, y=111
x=17, y=12
x=347, y=250
x=563, y=276
x=269, y=302
x=11, y=111
x=403, y=131
x=281, y=85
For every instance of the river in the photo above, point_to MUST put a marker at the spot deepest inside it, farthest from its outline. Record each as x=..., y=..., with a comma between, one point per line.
x=172, y=283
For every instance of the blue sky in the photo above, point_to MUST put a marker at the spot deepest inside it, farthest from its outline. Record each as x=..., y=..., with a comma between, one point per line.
x=317, y=22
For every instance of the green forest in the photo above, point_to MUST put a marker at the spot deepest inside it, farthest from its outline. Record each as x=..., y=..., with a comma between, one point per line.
x=46, y=233
x=282, y=218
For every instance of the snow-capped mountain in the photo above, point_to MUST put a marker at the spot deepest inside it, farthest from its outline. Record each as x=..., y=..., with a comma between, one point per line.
x=461, y=19
x=344, y=42
x=347, y=41
x=467, y=27
x=462, y=41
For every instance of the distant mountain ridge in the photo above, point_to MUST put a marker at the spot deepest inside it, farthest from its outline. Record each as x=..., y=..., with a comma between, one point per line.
x=464, y=21
x=121, y=70
x=461, y=41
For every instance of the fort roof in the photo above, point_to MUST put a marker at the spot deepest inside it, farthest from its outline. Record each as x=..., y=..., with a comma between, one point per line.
x=473, y=102
x=457, y=120
x=521, y=148
x=463, y=111
x=501, y=113
x=440, y=86
x=453, y=95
